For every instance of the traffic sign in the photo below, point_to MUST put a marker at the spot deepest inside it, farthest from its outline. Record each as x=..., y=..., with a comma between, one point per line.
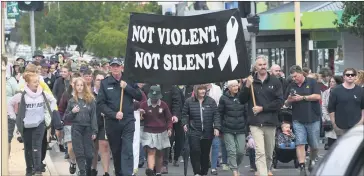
x=12, y=10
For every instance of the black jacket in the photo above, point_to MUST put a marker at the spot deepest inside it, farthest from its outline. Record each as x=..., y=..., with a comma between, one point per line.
x=58, y=89
x=269, y=95
x=172, y=97
x=233, y=114
x=284, y=83
x=108, y=99
x=191, y=116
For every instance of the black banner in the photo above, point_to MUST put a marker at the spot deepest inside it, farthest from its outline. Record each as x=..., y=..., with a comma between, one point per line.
x=182, y=50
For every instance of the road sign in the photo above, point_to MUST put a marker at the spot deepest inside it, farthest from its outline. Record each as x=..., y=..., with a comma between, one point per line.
x=12, y=10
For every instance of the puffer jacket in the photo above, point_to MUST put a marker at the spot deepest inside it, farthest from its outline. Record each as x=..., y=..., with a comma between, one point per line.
x=191, y=116
x=233, y=114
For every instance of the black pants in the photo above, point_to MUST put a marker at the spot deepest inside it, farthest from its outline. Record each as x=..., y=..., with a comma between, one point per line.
x=178, y=137
x=44, y=145
x=120, y=135
x=200, y=154
x=83, y=147
x=251, y=153
x=32, y=138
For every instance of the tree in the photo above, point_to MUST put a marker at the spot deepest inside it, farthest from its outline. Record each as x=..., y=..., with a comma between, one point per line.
x=352, y=18
x=108, y=37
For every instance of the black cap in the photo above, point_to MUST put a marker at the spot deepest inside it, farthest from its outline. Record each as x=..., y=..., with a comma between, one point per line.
x=116, y=61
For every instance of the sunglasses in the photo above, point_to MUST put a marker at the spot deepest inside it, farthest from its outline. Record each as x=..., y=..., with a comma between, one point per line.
x=350, y=75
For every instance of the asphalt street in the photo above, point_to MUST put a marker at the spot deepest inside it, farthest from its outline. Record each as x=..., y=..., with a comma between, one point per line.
x=283, y=169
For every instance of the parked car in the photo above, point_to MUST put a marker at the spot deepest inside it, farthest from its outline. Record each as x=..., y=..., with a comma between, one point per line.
x=346, y=157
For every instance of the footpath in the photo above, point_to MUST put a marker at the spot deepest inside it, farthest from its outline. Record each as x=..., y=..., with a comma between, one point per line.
x=17, y=162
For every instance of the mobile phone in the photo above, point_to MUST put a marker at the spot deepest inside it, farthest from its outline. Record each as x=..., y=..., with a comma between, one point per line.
x=293, y=92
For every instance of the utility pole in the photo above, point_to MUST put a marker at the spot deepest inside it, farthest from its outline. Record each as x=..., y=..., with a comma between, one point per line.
x=4, y=118
x=32, y=31
x=252, y=34
x=297, y=15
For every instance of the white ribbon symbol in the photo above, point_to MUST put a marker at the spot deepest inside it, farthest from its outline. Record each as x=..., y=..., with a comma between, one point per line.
x=229, y=49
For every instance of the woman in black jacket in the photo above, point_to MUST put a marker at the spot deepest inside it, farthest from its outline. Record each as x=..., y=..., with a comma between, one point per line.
x=200, y=117
x=233, y=117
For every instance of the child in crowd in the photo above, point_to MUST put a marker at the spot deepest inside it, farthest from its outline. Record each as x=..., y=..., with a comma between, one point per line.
x=251, y=151
x=286, y=137
x=81, y=110
x=157, y=129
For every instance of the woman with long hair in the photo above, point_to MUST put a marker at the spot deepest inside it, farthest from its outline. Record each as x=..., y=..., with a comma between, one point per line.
x=81, y=110
x=330, y=135
x=67, y=138
x=360, y=78
x=31, y=114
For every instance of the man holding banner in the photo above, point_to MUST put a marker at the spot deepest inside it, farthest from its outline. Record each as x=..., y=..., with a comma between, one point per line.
x=264, y=102
x=120, y=126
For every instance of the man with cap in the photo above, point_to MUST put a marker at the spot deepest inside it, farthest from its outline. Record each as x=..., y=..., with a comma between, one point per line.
x=38, y=55
x=120, y=126
x=49, y=78
x=105, y=66
x=54, y=63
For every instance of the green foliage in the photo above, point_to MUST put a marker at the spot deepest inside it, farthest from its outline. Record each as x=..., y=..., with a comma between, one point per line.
x=352, y=18
x=101, y=27
x=108, y=37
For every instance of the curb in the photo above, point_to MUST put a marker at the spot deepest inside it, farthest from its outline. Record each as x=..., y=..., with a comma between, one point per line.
x=50, y=165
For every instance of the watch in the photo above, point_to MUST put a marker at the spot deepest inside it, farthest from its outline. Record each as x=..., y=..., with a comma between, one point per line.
x=304, y=98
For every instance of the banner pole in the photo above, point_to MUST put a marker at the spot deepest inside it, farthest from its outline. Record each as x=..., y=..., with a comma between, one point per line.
x=297, y=14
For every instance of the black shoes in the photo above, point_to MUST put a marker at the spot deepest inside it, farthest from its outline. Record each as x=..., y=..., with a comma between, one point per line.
x=72, y=168
x=44, y=167
x=149, y=172
x=67, y=156
x=93, y=172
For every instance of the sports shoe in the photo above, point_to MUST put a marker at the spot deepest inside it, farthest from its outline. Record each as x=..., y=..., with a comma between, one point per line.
x=164, y=170
x=225, y=167
x=213, y=172
x=67, y=156
x=175, y=163
x=310, y=165
x=72, y=168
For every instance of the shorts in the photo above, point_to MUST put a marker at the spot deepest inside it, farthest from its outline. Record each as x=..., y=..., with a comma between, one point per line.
x=101, y=135
x=67, y=134
x=307, y=133
x=11, y=128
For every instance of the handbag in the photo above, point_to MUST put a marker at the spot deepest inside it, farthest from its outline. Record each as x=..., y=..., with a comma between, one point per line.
x=47, y=113
x=327, y=125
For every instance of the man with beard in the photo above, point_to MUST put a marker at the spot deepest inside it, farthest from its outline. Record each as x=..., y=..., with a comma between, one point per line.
x=263, y=115
x=276, y=71
x=120, y=126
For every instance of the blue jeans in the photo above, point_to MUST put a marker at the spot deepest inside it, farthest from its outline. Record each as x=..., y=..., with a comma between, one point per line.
x=216, y=145
x=307, y=133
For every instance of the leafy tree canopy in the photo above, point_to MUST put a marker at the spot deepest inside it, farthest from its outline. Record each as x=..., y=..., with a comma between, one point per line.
x=101, y=27
x=352, y=18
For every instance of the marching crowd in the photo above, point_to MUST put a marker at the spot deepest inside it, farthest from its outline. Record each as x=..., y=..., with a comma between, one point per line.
x=89, y=108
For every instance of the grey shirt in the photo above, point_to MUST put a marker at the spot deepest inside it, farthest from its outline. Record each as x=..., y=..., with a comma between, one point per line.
x=85, y=117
